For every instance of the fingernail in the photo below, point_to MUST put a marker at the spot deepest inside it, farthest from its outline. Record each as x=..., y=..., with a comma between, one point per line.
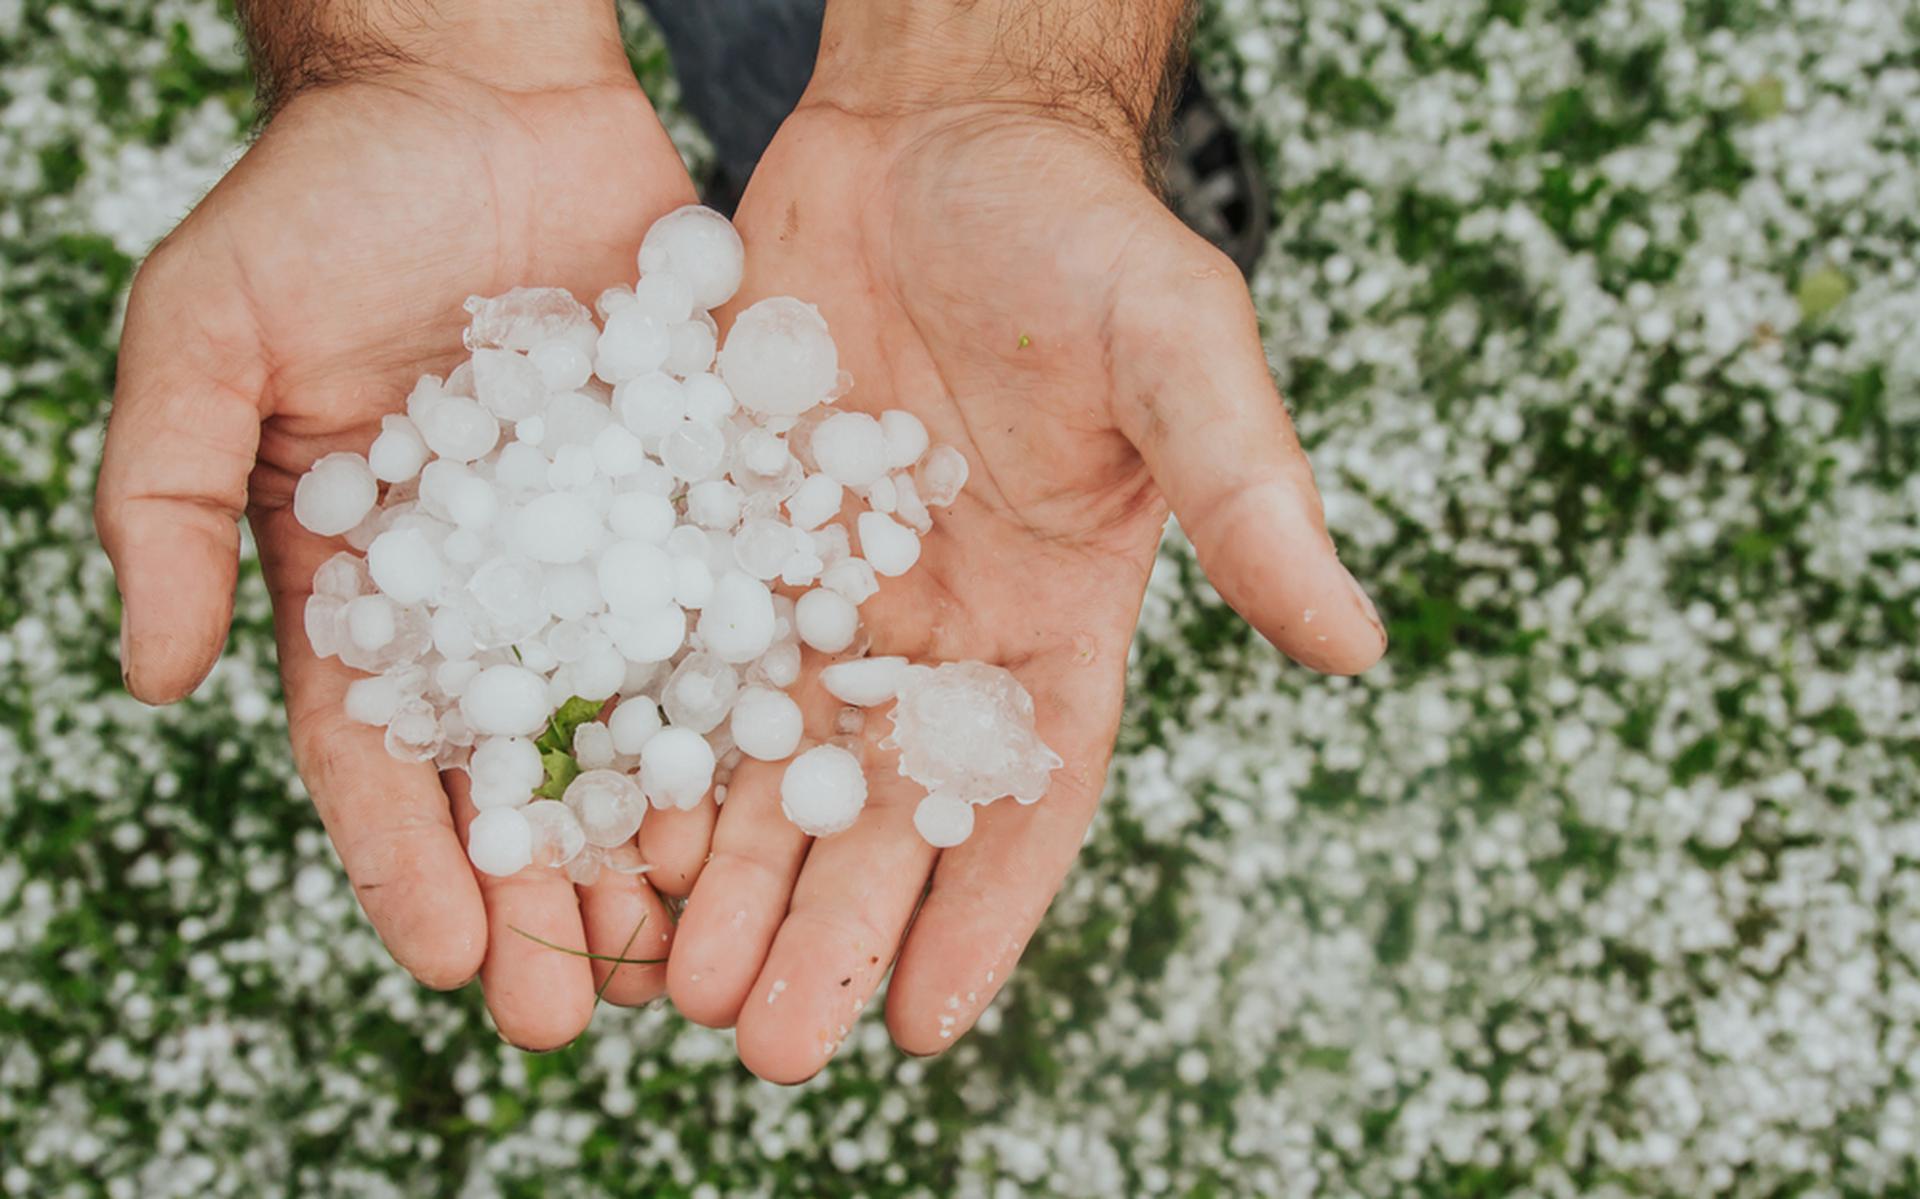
x=1366, y=605
x=125, y=658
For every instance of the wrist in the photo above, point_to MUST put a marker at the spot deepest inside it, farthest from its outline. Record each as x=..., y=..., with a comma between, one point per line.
x=508, y=45
x=1105, y=67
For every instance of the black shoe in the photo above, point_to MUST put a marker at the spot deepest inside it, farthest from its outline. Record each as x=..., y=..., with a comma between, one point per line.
x=1213, y=182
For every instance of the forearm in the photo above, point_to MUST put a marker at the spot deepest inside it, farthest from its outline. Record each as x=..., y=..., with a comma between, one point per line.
x=297, y=45
x=1109, y=64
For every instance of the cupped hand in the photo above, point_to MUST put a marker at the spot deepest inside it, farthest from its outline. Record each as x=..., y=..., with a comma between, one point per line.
x=285, y=316
x=1005, y=274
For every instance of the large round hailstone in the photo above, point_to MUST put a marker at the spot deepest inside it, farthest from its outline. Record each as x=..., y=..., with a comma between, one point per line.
x=823, y=791
x=766, y=724
x=505, y=700
x=700, y=246
x=676, y=768
x=779, y=359
x=500, y=842
x=335, y=495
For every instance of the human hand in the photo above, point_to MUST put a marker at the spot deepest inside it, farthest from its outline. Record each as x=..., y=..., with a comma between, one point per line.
x=1001, y=269
x=294, y=308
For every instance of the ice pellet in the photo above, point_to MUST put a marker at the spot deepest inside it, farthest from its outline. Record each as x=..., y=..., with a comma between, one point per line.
x=888, y=546
x=500, y=842
x=766, y=724
x=335, y=495
x=823, y=791
x=851, y=447
x=826, y=621
x=864, y=682
x=943, y=820
x=676, y=767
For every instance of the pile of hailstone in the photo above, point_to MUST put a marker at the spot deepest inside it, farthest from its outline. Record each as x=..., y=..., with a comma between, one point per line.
x=587, y=560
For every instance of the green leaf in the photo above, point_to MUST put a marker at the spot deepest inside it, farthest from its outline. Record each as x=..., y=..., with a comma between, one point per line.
x=561, y=770
x=572, y=714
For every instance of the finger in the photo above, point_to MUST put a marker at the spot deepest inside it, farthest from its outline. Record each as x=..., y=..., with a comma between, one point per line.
x=540, y=997
x=625, y=918
x=1198, y=402
x=739, y=900
x=173, y=479
x=675, y=843
x=389, y=820
x=989, y=892
x=852, y=902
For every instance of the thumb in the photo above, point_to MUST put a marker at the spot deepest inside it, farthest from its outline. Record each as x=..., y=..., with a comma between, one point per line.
x=1196, y=400
x=173, y=479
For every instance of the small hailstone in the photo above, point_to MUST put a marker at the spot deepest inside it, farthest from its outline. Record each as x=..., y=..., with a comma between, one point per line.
x=944, y=820
x=780, y=665
x=815, y=502
x=692, y=582
x=509, y=385
x=584, y=869
x=399, y=452
x=940, y=476
x=708, y=399
x=852, y=448
x=641, y=516
x=557, y=836
x=562, y=365
x=737, y=622
x=779, y=359
x=766, y=724
x=650, y=405
x=598, y=673
x=823, y=790
x=692, y=451
x=676, y=768
x=524, y=317
x=652, y=636
x=404, y=565
x=633, y=724
x=907, y=508
x=505, y=699
x=373, y=700
x=690, y=346
x=864, y=682
x=635, y=577
x=335, y=495
x=699, y=693
x=560, y=526
x=593, y=745
x=372, y=621
x=500, y=842
x=968, y=728
x=631, y=344
x=617, y=452
x=573, y=591
x=761, y=547
x=826, y=620
x=458, y=428
x=700, y=246
x=882, y=496
x=906, y=437
x=607, y=804
x=322, y=618
x=888, y=546
x=663, y=296
x=714, y=504
x=342, y=576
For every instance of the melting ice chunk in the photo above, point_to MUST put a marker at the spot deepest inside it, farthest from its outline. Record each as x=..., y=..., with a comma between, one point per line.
x=966, y=729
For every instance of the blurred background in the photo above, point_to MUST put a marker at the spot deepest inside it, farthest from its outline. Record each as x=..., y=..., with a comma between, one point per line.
x=1603, y=324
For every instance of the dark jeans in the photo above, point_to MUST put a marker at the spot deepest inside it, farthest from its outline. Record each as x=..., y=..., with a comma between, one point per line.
x=742, y=65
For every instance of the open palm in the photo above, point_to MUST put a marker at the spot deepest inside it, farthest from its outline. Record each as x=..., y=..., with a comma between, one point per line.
x=1008, y=278
x=284, y=317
